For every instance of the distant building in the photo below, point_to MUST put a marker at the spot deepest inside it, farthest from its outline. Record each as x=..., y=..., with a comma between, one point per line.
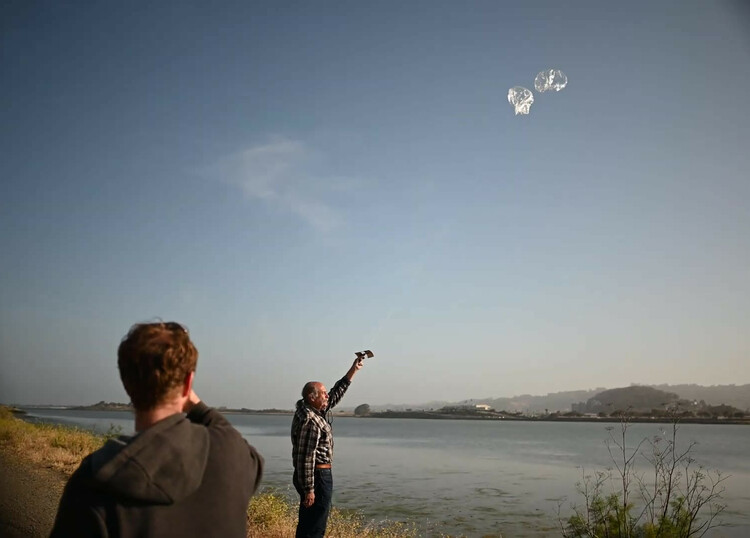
x=483, y=407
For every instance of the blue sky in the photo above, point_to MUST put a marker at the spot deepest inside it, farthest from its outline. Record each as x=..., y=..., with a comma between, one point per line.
x=298, y=181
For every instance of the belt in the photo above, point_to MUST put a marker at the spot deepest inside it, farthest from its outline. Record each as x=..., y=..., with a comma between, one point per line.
x=322, y=465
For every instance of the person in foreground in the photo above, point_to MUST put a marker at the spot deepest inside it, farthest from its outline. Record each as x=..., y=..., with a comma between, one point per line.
x=312, y=453
x=179, y=475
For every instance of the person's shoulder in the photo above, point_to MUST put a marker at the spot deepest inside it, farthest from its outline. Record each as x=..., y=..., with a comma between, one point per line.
x=82, y=479
x=226, y=439
x=305, y=415
x=301, y=411
x=86, y=467
x=106, y=453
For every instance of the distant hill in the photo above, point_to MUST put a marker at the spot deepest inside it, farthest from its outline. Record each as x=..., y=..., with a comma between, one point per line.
x=527, y=403
x=105, y=406
x=634, y=398
x=733, y=395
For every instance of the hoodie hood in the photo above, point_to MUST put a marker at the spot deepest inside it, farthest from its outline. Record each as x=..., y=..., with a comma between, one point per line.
x=161, y=465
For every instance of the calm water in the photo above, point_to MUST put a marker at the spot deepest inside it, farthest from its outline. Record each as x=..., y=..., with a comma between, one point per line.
x=469, y=477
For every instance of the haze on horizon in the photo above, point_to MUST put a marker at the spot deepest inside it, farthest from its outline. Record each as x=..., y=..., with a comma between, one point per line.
x=297, y=182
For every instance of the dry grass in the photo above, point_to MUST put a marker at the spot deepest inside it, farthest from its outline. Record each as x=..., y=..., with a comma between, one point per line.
x=350, y=524
x=270, y=514
x=55, y=447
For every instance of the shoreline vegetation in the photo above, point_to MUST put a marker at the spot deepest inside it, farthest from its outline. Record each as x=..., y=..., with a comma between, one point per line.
x=641, y=403
x=45, y=447
x=655, y=416
x=552, y=417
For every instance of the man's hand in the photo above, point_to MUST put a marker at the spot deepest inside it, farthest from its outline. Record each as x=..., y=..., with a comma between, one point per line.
x=356, y=366
x=191, y=401
x=309, y=499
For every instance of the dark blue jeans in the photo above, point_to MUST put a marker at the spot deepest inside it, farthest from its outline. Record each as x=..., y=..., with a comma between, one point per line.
x=313, y=521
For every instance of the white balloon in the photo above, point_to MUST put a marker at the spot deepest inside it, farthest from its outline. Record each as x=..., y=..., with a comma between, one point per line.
x=521, y=99
x=551, y=79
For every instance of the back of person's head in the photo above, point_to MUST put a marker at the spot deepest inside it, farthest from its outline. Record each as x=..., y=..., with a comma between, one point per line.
x=310, y=390
x=154, y=360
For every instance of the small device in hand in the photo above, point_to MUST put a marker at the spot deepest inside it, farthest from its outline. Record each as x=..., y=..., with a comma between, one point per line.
x=366, y=354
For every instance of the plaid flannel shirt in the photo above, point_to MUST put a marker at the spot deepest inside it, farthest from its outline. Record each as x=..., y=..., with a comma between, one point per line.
x=312, y=437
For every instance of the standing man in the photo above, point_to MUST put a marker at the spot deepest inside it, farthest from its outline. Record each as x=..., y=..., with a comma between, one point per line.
x=178, y=476
x=312, y=453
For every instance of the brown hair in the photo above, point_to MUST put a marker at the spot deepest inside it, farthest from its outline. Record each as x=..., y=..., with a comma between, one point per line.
x=154, y=360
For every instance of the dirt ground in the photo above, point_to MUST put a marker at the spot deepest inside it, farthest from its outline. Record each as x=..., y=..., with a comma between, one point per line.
x=28, y=498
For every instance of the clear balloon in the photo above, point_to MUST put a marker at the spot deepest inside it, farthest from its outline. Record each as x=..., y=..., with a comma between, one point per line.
x=551, y=79
x=521, y=99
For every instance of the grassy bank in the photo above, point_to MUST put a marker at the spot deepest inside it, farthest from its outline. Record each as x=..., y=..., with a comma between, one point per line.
x=270, y=514
x=46, y=445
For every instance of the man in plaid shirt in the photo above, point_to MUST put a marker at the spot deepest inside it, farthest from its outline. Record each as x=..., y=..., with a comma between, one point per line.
x=312, y=452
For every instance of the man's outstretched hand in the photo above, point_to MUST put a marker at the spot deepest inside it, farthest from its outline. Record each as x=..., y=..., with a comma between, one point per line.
x=356, y=366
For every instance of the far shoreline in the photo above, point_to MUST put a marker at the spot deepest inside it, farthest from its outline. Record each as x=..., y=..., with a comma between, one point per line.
x=428, y=415
x=616, y=420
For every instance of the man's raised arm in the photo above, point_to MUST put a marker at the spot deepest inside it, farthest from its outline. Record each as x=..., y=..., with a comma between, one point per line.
x=338, y=390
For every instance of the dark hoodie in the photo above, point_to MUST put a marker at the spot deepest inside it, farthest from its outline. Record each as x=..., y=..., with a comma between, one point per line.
x=182, y=477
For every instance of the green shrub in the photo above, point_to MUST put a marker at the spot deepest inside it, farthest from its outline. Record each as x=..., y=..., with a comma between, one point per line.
x=680, y=500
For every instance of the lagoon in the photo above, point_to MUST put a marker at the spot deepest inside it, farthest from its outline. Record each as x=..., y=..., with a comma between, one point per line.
x=465, y=477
